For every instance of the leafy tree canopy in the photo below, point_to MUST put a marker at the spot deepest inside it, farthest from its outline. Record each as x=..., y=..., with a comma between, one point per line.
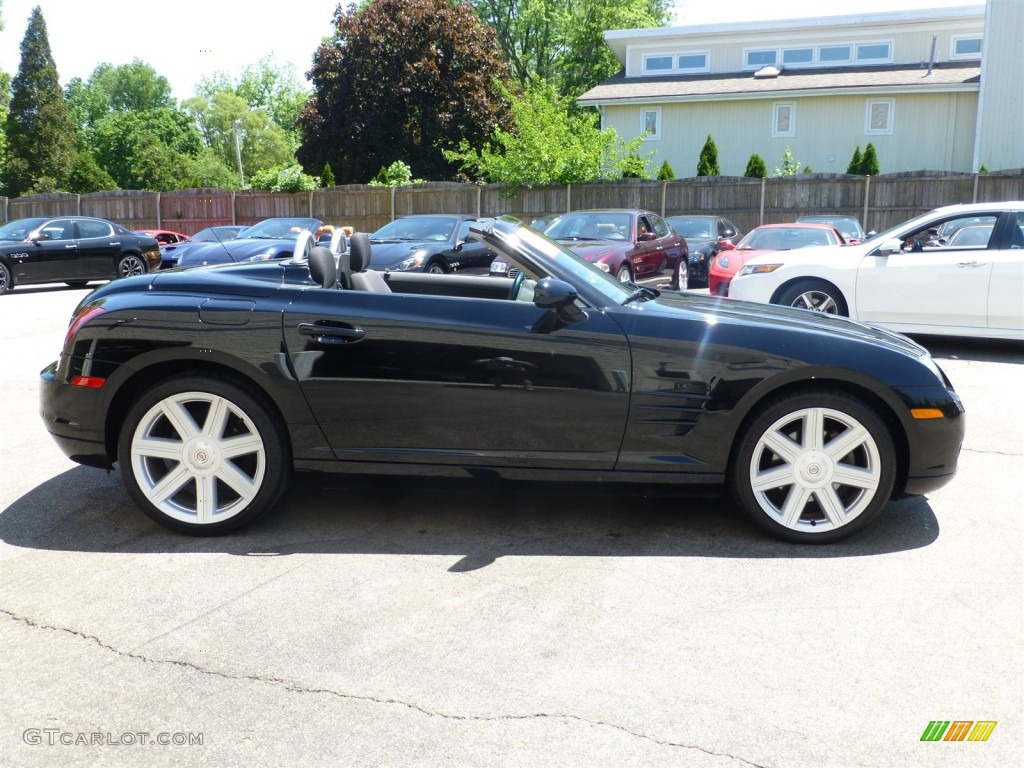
x=124, y=88
x=562, y=41
x=549, y=145
x=401, y=80
x=146, y=149
x=290, y=179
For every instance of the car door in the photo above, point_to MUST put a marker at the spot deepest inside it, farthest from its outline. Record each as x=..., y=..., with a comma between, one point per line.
x=447, y=380
x=929, y=286
x=646, y=254
x=1006, y=288
x=51, y=254
x=668, y=245
x=98, y=249
x=470, y=254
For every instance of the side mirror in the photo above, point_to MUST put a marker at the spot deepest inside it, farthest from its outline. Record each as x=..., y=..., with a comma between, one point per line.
x=894, y=245
x=558, y=298
x=41, y=237
x=644, y=237
x=870, y=234
x=726, y=245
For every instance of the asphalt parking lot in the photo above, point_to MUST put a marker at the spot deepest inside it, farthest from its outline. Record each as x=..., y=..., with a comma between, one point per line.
x=391, y=623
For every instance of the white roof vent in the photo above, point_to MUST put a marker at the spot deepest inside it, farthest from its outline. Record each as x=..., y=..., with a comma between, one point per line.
x=768, y=71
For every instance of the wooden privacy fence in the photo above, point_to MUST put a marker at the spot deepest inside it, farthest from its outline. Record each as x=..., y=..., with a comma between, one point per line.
x=880, y=202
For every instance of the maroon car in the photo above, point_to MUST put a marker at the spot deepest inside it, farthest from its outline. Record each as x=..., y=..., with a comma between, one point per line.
x=624, y=243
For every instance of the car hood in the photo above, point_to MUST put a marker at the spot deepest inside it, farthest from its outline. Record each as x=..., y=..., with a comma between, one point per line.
x=815, y=254
x=388, y=252
x=232, y=250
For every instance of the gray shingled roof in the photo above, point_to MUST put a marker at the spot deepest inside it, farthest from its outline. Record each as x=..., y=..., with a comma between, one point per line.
x=622, y=88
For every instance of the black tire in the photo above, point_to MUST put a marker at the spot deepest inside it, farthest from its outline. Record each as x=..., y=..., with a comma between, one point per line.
x=816, y=494
x=436, y=268
x=6, y=279
x=243, y=461
x=815, y=295
x=625, y=274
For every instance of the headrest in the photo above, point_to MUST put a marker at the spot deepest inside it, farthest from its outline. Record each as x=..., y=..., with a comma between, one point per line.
x=322, y=267
x=360, y=251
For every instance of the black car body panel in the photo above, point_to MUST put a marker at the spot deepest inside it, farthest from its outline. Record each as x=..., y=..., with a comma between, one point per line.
x=428, y=243
x=424, y=380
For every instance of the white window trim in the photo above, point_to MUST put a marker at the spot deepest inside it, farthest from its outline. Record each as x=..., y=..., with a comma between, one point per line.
x=657, y=121
x=835, y=62
x=675, y=69
x=777, y=134
x=954, y=56
x=887, y=131
x=799, y=64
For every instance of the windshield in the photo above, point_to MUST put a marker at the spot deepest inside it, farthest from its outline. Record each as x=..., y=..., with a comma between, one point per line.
x=431, y=228
x=697, y=228
x=591, y=225
x=785, y=238
x=849, y=228
x=18, y=229
x=280, y=228
x=539, y=256
x=215, y=234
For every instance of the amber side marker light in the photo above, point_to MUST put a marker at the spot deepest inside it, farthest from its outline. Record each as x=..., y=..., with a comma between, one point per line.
x=927, y=413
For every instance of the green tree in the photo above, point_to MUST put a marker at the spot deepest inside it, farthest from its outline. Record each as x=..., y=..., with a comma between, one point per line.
x=134, y=87
x=855, y=161
x=790, y=166
x=869, y=163
x=86, y=176
x=756, y=168
x=562, y=41
x=327, y=176
x=146, y=150
x=401, y=80
x=665, y=173
x=41, y=141
x=5, y=102
x=398, y=174
x=708, y=163
x=547, y=144
x=290, y=179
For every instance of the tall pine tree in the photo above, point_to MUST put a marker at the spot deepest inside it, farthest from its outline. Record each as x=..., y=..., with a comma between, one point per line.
x=708, y=163
x=41, y=141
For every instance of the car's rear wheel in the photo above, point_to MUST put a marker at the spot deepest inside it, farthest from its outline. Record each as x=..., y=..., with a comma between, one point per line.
x=6, y=281
x=814, y=467
x=624, y=274
x=815, y=295
x=130, y=265
x=202, y=456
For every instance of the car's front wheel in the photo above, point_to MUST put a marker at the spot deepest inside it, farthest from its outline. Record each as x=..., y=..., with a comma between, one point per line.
x=6, y=281
x=624, y=274
x=130, y=265
x=436, y=268
x=815, y=295
x=813, y=466
x=202, y=456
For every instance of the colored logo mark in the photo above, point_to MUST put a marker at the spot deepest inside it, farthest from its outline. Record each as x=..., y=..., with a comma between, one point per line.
x=958, y=730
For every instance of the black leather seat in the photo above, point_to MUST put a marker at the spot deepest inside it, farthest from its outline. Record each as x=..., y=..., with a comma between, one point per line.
x=322, y=267
x=363, y=279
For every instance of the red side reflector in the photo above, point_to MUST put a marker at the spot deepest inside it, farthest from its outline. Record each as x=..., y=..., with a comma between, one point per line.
x=90, y=382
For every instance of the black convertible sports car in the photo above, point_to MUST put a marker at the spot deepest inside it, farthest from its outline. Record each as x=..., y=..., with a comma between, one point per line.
x=210, y=386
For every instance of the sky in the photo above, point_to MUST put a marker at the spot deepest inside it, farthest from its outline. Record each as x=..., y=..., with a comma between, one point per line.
x=185, y=40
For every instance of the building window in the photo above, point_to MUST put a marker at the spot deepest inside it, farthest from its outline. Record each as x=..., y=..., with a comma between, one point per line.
x=795, y=57
x=659, y=64
x=783, y=120
x=878, y=117
x=651, y=123
x=834, y=54
x=874, y=53
x=758, y=59
x=692, y=62
x=965, y=48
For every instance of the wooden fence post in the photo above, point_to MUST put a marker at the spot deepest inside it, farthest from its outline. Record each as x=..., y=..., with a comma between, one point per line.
x=234, y=209
x=867, y=195
x=159, y=218
x=974, y=197
x=393, y=203
x=568, y=198
x=479, y=201
x=764, y=184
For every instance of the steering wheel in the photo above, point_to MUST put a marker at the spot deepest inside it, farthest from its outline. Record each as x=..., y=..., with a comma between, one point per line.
x=517, y=283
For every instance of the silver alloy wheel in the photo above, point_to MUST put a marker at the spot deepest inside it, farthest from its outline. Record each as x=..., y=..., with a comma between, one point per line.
x=684, y=273
x=198, y=458
x=435, y=268
x=817, y=300
x=624, y=274
x=815, y=470
x=5, y=279
x=131, y=265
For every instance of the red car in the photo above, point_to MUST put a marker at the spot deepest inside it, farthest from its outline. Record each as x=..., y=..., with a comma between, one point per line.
x=766, y=239
x=622, y=242
x=163, y=236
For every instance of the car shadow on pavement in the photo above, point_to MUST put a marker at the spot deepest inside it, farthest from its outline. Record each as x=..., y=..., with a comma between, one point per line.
x=87, y=510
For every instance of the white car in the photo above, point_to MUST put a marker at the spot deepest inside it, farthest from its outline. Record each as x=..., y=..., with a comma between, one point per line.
x=919, y=277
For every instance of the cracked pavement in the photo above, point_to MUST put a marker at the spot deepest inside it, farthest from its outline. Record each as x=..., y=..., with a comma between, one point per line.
x=402, y=622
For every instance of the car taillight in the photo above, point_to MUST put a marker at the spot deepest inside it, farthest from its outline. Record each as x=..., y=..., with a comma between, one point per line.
x=85, y=314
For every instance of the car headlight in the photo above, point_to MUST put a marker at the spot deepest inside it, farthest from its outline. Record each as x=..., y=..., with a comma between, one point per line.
x=758, y=269
x=723, y=262
x=602, y=266
x=261, y=257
